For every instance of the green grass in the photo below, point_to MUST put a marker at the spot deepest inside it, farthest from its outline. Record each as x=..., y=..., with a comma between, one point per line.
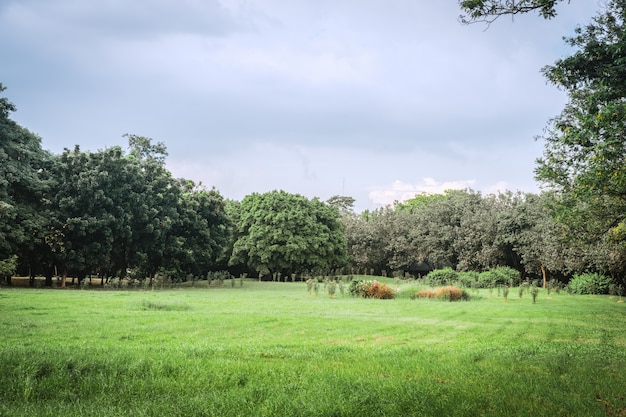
x=268, y=349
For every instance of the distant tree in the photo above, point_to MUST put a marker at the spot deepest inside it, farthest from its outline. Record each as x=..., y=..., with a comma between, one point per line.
x=370, y=239
x=287, y=233
x=345, y=204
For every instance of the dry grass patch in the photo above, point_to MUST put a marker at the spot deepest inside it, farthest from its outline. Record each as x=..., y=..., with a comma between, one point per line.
x=448, y=293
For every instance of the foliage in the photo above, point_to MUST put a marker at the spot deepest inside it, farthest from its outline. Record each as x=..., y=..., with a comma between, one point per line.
x=590, y=283
x=490, y=10
x=8, y=266
x=468, y=279
x=282, y=232
x=506, y=276
x=438, y=277
x=22, y=185
x=584, y=160
x=534, y=292
x=371, y=289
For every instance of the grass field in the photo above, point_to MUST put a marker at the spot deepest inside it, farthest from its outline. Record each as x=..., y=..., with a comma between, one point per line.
x=269, y=349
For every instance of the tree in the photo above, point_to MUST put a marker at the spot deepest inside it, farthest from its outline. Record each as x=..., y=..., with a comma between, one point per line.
x=584, y=160
x=22, y=163
x=489, y=10
x=287, y=233
x=345, y=204
x=200, y=235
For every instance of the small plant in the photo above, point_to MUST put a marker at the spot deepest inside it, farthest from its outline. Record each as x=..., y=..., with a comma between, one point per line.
x=520, y=291
x=534, y=292
x=331, y=287
x=505, y=293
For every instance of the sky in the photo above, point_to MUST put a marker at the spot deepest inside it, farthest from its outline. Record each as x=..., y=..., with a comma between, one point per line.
x=377, y=100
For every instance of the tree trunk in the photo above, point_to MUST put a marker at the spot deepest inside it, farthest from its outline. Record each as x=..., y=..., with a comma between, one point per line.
x=63, y=278
x=544, y=275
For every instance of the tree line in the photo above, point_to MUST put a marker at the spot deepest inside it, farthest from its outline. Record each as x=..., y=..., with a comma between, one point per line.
x=121, y=213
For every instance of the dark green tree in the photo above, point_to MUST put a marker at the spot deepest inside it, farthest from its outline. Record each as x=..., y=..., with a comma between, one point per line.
x=22, y=185
x=200, y=236
x=288, y=233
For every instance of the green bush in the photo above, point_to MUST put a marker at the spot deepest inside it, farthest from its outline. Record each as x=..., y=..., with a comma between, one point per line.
x=487, y=279
x=507, y=276
x=590, y=283
x=500, y=276
x=468, y=279
x=442, y=277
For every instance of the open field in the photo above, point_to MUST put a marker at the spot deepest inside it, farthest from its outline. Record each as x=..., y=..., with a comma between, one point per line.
x=268, y=349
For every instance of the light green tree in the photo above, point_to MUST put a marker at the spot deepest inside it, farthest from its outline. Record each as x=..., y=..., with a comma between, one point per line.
x=287, y=233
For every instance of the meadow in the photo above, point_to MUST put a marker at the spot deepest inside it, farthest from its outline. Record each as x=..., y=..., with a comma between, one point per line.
x=271, y=349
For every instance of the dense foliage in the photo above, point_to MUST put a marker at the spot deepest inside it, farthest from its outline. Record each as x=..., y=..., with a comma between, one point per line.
x=585, y=154
x=284, y=233
x=108, y=212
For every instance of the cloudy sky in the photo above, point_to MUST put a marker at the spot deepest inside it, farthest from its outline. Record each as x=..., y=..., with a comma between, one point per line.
x=374, y=99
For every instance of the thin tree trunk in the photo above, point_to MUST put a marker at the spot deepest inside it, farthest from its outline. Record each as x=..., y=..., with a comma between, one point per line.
x=63, y=278
x=544, y=275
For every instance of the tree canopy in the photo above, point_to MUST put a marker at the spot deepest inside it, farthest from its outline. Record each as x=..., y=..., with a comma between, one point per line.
x=288, y=233
x=584, y=159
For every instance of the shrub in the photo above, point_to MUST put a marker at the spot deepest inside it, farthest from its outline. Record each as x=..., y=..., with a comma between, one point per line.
x=467, y=279
x=590, y=283
x=506, y=276
x=487, y=279
x=371, y=289
x=448, y=293
x=440, y=277
x=500, y=276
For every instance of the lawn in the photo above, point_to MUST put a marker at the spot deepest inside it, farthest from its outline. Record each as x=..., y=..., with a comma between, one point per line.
x=269, y=349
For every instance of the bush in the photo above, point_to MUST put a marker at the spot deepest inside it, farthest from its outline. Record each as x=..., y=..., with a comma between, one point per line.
x=590, y=283
x=497, y=277
x=467, y=279
x=507, y=276
x=371, y=289
x=448, y=293
x=439, y=277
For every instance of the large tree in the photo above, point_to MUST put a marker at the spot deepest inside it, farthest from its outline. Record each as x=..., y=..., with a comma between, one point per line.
x=287, y=233
x=584, y=159
x=22, y=184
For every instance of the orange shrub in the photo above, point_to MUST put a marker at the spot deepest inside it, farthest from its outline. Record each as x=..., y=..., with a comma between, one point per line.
x=449, y=293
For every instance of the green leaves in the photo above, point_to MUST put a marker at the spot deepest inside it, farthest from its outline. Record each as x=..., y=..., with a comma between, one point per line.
x=283, y=232
x=489, y=10
x=585, y=153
